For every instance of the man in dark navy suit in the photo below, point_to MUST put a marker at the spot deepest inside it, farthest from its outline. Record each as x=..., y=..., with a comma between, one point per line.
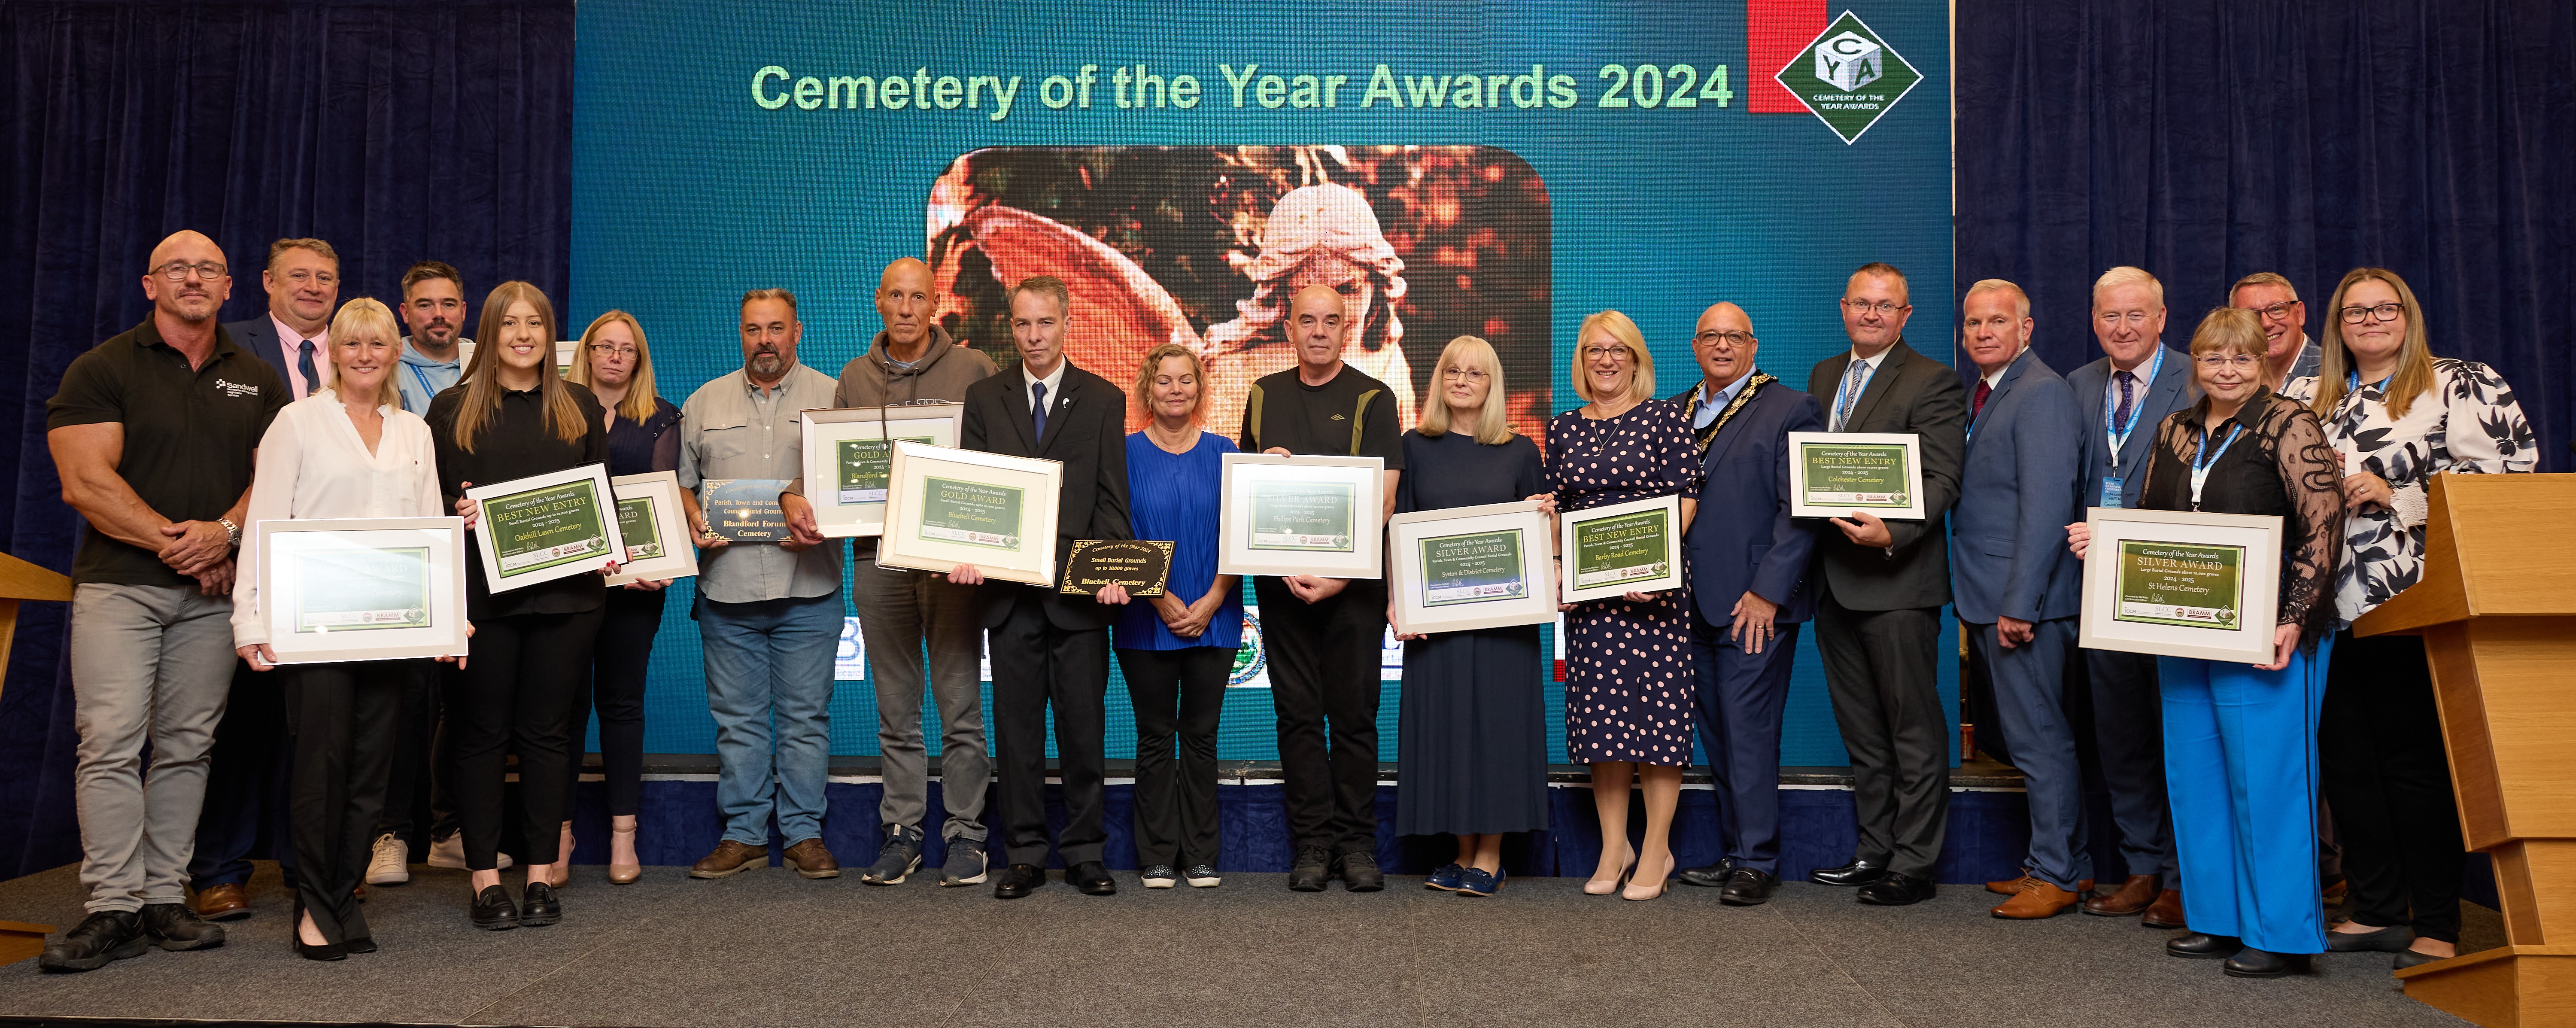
x=1748, y=564
x=303, y=283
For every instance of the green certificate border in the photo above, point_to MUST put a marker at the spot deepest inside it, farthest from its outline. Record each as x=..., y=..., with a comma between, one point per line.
x=579, y=489
x=931, y=502
x=1655, y=524
x=643, y=526
x=340, y=576
x=1897, y=499
x=1512, y=587
x=1343, y=542
x=2218, y=619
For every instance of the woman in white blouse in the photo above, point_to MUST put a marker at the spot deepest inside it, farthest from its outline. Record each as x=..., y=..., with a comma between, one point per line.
x=350, y=451
x=2396, y=416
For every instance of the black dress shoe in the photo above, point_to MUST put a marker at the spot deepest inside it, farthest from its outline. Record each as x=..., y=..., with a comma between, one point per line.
x=1711, y=877
x=1092, y=877
x=493, y=910
x=1018, y=880
x=2392, y=939
x=538, y=906
x=2197, y=946
x=1858, y=872
x=1896, y=890
x=1748, y=888
x=361, y=944
x=1312, y=870
x=2257, y=963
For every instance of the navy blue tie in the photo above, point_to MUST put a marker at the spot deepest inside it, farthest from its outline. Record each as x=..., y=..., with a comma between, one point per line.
x=1037, y=411
x=304, y=364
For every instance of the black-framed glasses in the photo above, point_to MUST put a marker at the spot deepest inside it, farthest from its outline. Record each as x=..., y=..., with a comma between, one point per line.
x=2379, y=312
x=1729, y=337
x=2276, y=312
x=177, y=271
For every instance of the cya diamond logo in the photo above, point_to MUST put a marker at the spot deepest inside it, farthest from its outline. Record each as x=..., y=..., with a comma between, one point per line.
x=1849, y=77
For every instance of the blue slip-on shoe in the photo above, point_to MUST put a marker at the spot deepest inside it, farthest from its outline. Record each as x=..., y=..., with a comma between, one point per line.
x=1445, y=879
x=1479, y=882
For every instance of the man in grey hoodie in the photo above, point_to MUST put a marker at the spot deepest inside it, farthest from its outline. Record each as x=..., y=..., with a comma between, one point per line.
x=913, y=361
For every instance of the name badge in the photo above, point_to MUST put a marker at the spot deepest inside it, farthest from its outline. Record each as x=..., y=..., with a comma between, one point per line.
x=2111, y=491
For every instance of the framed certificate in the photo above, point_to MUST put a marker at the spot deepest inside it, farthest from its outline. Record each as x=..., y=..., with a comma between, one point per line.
x=654, y=527
x=1320, y=516
x=946, y=507
x=544, y=527
x=2180, y=584
x=1622, y=548
x=1832, y=474
x=362, y=588
x=849, y=452
x=1470, y=567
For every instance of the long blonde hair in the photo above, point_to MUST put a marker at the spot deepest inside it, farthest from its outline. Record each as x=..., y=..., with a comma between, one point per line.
x=483, y=376
x=368, y=318
x=2414, y=375
x=1493, y=422
x=638, y=404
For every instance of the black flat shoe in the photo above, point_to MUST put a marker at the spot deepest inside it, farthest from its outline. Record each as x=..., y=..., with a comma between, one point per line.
x=2257, y=963
x=1858, y=872
x=2410, y=958
x=1713, y=876
x=1896, y=890
x=493, y=910
x=1019, y=880
x=2197, y=946
x=361, y=944
x=2392, y=939
x=538, y=906
x=1092, y=877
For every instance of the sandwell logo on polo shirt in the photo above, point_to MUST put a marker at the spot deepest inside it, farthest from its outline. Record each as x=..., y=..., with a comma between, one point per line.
x=1848, y=77
x=236, y=389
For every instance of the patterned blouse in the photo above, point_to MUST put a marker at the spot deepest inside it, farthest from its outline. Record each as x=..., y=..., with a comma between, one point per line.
x=2468, y=423
x=2281, y=466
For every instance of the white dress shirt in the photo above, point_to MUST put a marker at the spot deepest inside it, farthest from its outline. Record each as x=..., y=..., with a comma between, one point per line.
x=1840, y=407
x=313, y=464
x=1054, y=383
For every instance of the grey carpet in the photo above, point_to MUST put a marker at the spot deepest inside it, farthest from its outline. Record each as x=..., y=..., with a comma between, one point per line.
x=768, y=948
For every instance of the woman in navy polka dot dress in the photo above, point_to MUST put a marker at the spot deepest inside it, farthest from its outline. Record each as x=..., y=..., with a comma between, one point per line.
x=1628, y=670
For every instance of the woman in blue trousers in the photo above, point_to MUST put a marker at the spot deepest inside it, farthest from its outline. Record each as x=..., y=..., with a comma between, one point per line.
x=2241, y=741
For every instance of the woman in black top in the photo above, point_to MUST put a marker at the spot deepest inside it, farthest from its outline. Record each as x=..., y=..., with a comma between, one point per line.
x=617, y=365
x=511, y=417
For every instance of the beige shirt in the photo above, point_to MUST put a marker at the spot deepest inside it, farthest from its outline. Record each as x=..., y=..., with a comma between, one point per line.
x=731, y=429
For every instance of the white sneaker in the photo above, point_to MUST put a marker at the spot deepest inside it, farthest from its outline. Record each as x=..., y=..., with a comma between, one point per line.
x=450, y=853
x=391, y=864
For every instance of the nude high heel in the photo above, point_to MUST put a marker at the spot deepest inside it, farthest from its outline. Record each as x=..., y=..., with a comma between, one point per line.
x=1597, y=887
x=622, y=874
x=561, y=874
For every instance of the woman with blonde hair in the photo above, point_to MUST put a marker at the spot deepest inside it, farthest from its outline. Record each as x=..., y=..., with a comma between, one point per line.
x=1629, y=676
x=1471, y=740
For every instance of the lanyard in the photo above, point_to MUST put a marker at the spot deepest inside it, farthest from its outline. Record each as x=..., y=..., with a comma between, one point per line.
x=2137, y=408
x=1848, y=395
x=2208, y=458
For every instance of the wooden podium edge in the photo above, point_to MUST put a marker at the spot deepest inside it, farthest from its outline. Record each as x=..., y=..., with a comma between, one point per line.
x=2505, y=987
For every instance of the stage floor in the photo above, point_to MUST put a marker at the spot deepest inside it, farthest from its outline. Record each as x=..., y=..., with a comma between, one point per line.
x=769, y=948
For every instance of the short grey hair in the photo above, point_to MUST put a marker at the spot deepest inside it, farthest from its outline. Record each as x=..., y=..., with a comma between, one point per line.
x=771, y=294
x=2021, y=300
x=2263, y=278
x=1047, y=284
x=2125, y=275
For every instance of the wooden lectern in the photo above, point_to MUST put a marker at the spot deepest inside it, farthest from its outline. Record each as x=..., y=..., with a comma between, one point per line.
x=20, y=580
x=2497, y=610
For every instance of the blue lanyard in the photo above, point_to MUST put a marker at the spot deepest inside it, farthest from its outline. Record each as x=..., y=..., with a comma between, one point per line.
x=2207, y=458
x=2137, y=409
x=1846, y=396
x=2352, y=381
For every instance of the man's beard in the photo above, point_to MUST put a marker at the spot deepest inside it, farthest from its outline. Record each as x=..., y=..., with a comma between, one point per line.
x=767, y=364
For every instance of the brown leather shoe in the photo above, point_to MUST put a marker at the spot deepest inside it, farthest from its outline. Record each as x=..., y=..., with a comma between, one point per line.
x=811, y=860
x=2165, y=912
x=2036, y=900
x=224, y=902
x=2133, y=896
x=2014, y=886
x=729, y=859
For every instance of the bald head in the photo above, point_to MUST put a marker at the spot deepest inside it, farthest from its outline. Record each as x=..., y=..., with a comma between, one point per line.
x=1316, y=314
x=903, y=300
x=203, y=287
x=1724, y=345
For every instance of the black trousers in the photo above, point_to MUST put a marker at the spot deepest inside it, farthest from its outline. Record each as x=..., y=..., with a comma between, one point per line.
x=616, y=686
x=424, y=761
x=2129, y=740
x=1881, y=670
x=1324, y=682
x=246, y=785
x=1038, y=665
x=2388, y=775
x=1176, y=691
x=517, y=689
x=343, y=718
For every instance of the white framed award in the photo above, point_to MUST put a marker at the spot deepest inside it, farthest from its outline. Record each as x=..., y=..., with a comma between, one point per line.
x=946, y=507
x=341, y=589
x=1632, y=547
x=1470, y=567
x=2182, y=584
x=849, y=453
x=653, y=527
x=1321, y=516
x=1832, y=474
x=544, y=527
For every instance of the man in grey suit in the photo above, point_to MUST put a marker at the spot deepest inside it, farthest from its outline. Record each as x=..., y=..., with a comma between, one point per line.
x=1879, y=590
x=2120, y=400
x=2016, y=586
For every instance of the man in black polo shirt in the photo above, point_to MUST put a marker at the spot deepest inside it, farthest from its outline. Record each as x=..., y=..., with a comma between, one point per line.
x=1324, y=634
x=153, y=433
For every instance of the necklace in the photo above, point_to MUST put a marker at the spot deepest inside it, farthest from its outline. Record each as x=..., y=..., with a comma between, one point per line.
x=1179, y=442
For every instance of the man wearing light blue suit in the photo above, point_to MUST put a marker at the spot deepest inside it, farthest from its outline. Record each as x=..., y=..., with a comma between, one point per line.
x=1748, y=563
x=2015, y=586
x=2122, y=398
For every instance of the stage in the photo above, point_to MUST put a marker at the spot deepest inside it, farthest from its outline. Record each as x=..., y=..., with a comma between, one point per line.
x=769, y=948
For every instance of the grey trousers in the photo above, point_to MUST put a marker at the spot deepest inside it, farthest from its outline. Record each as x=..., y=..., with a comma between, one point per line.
x=899, y=612
x=148, y=664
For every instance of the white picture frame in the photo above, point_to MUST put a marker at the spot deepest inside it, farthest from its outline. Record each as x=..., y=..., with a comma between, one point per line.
x=1822, y=499
x=1658, y=567
x=1257, y=484
x=677, y=554
x=946, y=506
x=2134, y=606
x=844, y=512
x=328, y=620
x=1436, y=586
x=587, y=484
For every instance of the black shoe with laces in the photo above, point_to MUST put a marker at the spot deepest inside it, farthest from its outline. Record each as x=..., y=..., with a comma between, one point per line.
x=1748, y=887
x=1358, y=870
x=1312, y=870
x=99, y=938
x=174, y=927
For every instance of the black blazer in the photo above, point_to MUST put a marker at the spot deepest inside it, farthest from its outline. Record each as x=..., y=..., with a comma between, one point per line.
x=1909, y=393
x=259, y=336
x=1086, y=431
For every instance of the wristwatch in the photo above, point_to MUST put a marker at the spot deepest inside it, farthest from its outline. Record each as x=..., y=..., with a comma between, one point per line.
x=232, y=532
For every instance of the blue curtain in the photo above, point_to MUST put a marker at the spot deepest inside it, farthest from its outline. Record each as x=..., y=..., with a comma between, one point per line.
x=397, y=132
x=2203, y=140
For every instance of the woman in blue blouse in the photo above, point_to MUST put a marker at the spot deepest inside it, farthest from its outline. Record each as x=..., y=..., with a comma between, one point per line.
x=614, y=362
x=1177, y=650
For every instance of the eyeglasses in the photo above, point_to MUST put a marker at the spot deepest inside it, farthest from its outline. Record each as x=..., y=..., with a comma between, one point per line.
x=1730, y=338
x=2277, y=312
x=1471, y=376
x=177, y=271
x=607, y=350
x=2382, y=312
x=1594, y=353
x=2215, y=361
x=1883, y=307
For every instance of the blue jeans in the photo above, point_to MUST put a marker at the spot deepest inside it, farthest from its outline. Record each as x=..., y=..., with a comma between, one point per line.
x=769, y=685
